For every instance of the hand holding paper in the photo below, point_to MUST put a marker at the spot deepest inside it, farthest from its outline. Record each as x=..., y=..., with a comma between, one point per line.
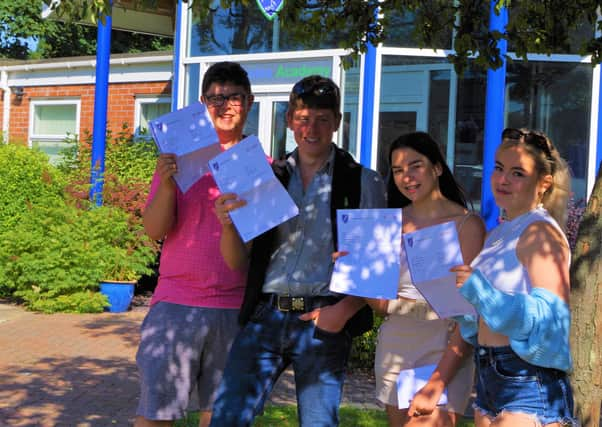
x=189, y=134
x=431, y=253
x=372, y=238
x=410, y=381
x=244, y=170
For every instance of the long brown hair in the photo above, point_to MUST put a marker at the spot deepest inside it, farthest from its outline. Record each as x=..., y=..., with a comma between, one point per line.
x=547, y=162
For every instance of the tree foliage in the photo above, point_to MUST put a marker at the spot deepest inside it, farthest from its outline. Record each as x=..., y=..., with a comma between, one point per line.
x=21, y=21
x=542, y=26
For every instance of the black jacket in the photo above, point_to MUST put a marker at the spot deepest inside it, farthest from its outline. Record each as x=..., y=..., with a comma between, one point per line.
x=345, y=194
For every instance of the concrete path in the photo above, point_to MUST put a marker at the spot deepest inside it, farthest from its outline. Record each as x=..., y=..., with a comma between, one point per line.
x=78, y=370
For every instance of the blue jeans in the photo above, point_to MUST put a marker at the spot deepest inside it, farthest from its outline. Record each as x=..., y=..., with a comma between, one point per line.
x=505, y=382
x=270, y=342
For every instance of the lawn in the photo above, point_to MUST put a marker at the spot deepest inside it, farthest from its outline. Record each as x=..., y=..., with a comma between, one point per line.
x=286, y=416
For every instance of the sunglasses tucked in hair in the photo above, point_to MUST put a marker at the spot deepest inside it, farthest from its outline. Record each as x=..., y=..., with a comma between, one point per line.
x=307, y=87
x=234, y=99
x=534, y=139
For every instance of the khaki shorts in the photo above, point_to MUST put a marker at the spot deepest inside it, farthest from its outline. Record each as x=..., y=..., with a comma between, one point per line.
x=412, y=336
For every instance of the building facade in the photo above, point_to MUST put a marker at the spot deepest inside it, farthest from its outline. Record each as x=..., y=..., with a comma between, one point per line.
x=46, y=101
x=397, y=88
x=394, y=88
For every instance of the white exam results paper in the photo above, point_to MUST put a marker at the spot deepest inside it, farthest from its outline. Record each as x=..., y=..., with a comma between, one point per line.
x=373, y=239
x=410, y=381
x=243, y=169
x=431, y=252
x=189, y=134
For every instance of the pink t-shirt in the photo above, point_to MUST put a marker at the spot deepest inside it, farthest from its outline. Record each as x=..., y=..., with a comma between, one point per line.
x=191, y=270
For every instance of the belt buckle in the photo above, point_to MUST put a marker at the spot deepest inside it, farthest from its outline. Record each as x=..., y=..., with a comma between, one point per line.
x=297, y=303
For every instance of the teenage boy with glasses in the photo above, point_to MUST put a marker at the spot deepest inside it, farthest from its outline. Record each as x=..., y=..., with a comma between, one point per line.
x=192, y=320
x=289, y=314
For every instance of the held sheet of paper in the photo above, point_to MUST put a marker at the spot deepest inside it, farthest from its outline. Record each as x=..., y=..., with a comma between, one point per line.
x=373, y=239
x=431, y=252
x=244, y=170
x=189, y=134
x=410, y=381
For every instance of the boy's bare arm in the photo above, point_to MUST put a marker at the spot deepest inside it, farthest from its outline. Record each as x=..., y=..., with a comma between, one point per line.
x=234, y=251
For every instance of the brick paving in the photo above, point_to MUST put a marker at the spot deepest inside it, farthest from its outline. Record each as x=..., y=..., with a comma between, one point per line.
x=78, y=370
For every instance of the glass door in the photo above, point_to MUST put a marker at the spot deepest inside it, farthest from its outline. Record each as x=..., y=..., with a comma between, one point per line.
x=267, y=120
x=392, y=124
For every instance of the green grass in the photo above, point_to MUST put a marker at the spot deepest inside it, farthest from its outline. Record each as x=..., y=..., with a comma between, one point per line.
x=286, y=416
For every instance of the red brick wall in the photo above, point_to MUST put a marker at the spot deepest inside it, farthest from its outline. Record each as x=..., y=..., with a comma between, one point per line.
x=120, y=105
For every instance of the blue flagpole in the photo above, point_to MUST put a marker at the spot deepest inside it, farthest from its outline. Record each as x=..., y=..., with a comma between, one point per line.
x=494, y=118
x=101, y=92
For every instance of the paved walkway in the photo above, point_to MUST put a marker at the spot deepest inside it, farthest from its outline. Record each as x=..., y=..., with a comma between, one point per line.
x=78, y=370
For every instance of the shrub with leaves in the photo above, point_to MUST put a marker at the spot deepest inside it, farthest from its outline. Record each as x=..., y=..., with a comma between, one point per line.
x=26, y=180
x=54, y=258
x=129, y=166
x=364, y=346
x=54, y=246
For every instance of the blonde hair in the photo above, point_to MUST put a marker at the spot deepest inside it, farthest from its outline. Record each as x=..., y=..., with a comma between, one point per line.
x=547, y=162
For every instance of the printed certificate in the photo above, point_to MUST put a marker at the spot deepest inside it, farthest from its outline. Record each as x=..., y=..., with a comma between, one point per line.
x=410, y=381
x=244, y=170
x=189, y=134
x=373, y=239
x=431, y=253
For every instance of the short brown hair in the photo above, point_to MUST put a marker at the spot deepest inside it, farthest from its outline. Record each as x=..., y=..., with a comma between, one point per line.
x=315, y=92
x=226, y=72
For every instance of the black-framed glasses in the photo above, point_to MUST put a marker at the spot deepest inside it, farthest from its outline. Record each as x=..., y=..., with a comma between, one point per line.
x=322, y=88
x=534, y=139
x=235, y=99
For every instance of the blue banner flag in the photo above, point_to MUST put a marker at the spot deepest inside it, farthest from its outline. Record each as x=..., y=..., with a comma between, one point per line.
x=270, y=8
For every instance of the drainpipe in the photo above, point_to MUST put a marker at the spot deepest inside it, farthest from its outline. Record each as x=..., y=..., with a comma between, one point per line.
x=101, y=93
x=5, y=106
x=494, y=118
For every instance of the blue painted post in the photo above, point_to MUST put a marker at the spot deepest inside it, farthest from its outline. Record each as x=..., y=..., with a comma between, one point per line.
x=101, y=92
x=494, y=119
x=175, y=81
x=368, y=105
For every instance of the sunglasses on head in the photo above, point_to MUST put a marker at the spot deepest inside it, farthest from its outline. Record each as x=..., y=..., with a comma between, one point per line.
x=303, y=88
x=534, y=139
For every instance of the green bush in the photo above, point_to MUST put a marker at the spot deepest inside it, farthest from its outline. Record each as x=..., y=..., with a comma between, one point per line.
x=54, y=258
x=26, y=180
x=129, y=167
x=364, y=346
x=55, y=247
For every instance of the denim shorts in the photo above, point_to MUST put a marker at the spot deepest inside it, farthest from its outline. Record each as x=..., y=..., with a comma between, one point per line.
x=505, y=382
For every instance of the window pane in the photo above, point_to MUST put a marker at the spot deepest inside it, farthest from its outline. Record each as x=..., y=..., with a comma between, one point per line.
x=55, y=119
x=554, y=98
x=150, y=111
x=583, y=32
x=239, y=29
x=52, y=148
x=414, y=95
x=252, y=123
x=281, y=143
x=469, y=133
x=351, y=91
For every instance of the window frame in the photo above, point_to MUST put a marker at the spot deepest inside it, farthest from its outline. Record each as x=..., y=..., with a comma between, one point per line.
x=138, y=103
x=51, y=102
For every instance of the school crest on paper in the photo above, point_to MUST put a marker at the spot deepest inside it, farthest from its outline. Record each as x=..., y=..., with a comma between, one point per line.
x=270, y=8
